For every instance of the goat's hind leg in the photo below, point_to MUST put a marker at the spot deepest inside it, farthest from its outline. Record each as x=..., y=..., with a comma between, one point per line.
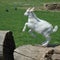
x=47, y=36
x=45, y=43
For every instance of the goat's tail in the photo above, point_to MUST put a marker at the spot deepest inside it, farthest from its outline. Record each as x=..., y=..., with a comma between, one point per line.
x=55, y=28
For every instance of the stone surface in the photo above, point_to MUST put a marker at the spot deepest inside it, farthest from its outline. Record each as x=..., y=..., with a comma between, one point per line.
x=7, y=45
x=56, y=56
x=29, y=52
x=52, y=6
x=57, y=50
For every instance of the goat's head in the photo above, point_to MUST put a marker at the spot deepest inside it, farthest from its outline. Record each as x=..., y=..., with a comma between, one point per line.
x=28, y=11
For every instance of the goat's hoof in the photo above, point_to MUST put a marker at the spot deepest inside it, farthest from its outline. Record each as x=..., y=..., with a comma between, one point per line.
x=23, y=30
x=44, y=45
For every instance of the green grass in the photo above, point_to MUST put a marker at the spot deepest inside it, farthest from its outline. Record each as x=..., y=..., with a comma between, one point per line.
x=26, y=2
x=15, y=20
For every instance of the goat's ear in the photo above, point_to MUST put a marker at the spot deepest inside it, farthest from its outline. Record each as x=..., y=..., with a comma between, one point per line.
x=32, y=9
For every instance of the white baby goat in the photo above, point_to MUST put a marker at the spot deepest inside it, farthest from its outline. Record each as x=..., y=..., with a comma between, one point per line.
x=39, y=26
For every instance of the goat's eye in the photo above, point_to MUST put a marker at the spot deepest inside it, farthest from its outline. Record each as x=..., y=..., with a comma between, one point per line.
x=28, y=12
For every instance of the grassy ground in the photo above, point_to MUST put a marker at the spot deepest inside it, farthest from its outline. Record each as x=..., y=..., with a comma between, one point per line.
x=14, y=20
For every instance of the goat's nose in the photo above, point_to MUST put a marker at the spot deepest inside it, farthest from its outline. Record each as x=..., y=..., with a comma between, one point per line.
x=24, y=14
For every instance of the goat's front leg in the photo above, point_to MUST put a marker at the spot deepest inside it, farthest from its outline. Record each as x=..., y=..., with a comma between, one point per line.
x=24, y=27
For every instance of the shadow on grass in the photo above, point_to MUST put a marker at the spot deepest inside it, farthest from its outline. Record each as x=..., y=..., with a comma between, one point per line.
x=52, y=45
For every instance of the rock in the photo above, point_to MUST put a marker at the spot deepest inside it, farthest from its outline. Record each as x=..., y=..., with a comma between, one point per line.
x=57, y=50
x=29, y=52
x=7, y=45
x=56, y=56
x=52, y=6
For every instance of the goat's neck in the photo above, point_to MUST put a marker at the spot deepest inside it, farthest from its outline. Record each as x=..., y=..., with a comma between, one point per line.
x=31, y=15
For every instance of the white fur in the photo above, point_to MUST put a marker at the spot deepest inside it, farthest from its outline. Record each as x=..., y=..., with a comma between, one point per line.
x=40, y=26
